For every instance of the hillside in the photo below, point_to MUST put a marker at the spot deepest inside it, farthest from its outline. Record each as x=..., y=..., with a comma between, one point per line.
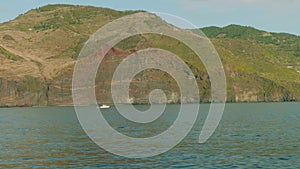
x=38, y=52
x=247, y=51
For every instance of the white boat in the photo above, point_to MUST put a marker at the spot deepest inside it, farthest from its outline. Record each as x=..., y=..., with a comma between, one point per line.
x=104, y=106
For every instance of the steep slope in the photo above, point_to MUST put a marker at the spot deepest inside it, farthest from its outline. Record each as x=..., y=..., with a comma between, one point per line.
x=38, y=52
x=271, y=56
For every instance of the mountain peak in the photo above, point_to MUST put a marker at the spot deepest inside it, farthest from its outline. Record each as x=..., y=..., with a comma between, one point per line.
x=232, y=31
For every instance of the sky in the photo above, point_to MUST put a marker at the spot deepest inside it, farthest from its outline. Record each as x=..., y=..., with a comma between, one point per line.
x=269, y=15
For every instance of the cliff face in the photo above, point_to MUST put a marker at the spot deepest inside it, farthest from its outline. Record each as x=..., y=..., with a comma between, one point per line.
x=38, y=52
x=24, y=92
x=264, y=91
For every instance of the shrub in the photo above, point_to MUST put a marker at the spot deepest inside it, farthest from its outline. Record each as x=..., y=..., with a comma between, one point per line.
x=8, y=37
x=44, y=26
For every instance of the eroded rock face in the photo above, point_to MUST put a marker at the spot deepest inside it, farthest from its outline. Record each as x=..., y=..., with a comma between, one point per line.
x=259, y=90
x=33, y=91
x=27, y=91
x=60, y=90
x=41, y=90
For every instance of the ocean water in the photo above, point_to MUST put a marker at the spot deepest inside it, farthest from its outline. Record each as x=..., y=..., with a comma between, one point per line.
x=250, y=135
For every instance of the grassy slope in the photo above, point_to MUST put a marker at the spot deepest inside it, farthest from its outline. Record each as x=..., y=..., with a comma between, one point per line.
x=54, y=33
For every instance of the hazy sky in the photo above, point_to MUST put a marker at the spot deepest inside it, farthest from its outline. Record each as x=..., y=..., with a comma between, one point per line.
x=270, y=15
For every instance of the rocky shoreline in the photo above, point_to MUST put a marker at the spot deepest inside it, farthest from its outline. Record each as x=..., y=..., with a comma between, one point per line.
x=71, y=105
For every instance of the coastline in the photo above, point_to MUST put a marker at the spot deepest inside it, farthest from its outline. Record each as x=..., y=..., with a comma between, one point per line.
x=71, y=105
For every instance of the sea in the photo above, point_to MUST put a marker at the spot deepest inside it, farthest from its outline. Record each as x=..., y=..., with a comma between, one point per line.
x=250, y=135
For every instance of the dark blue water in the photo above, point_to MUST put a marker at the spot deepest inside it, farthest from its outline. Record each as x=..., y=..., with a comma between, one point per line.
x=264, y=135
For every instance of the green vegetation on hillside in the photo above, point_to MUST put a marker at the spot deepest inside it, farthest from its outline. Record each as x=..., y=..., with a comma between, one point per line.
x=8, y=37
x=284, y=41
x=9, y=55
x=259, y=52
